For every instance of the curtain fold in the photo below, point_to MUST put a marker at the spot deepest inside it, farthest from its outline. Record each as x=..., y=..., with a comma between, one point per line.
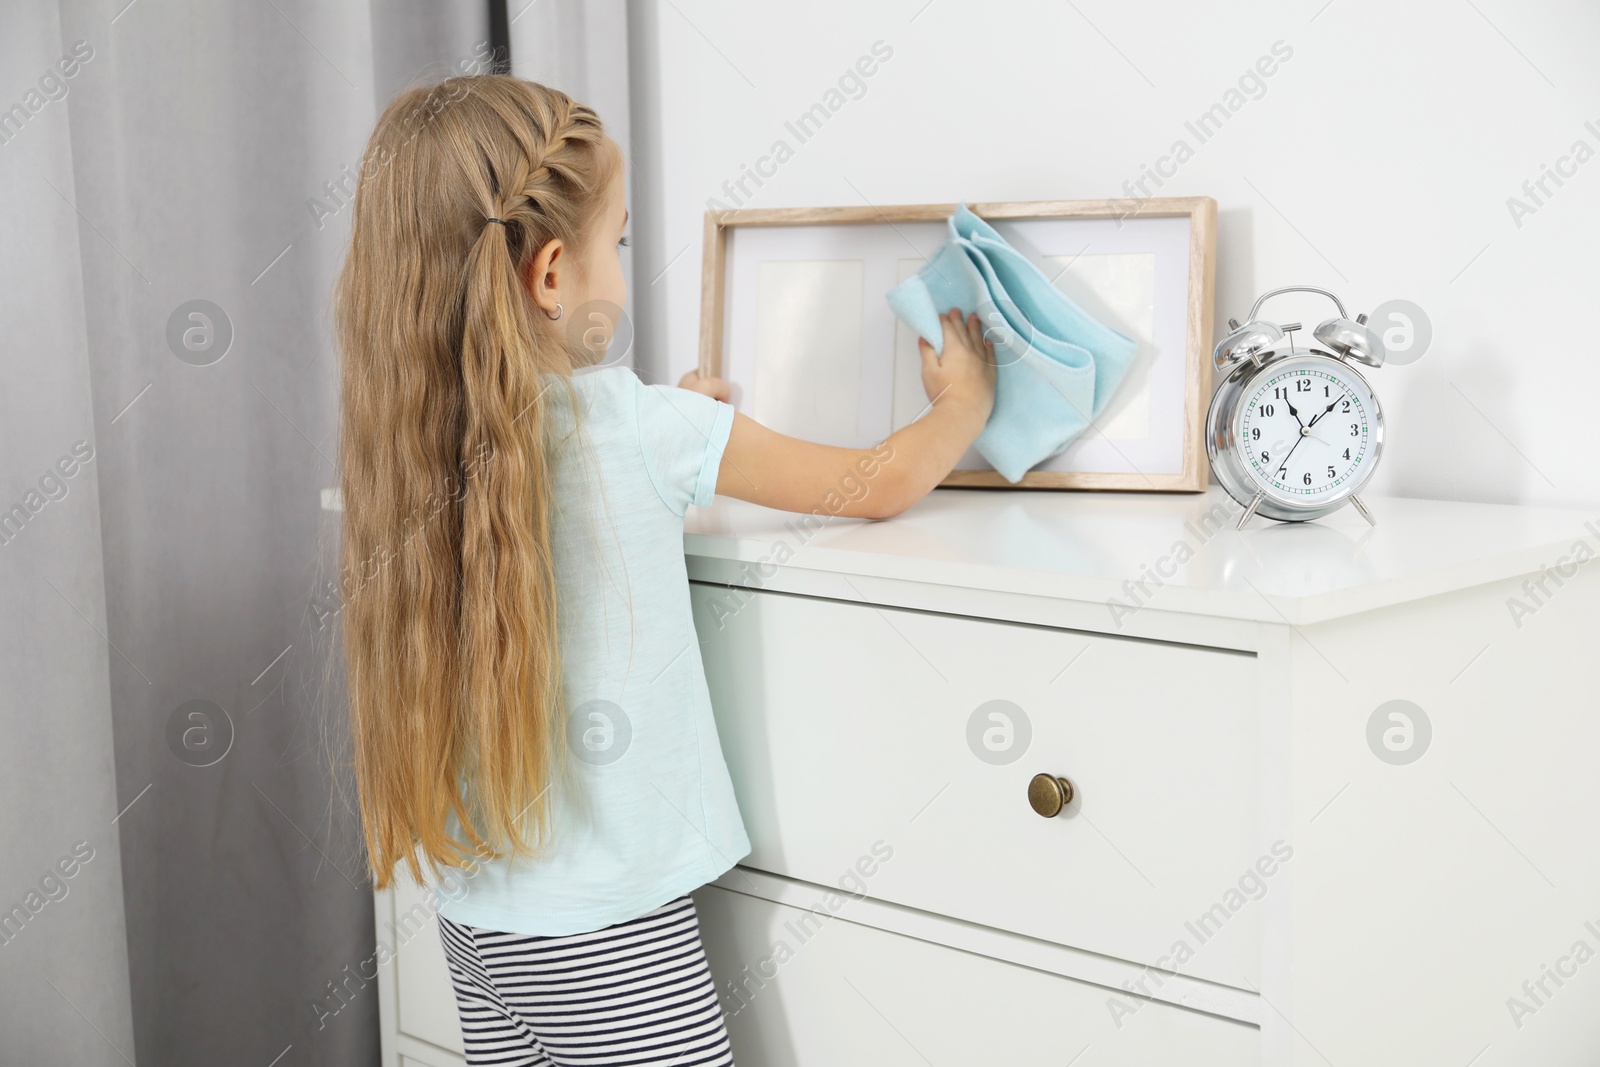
x=64, y=993
x=177, y=215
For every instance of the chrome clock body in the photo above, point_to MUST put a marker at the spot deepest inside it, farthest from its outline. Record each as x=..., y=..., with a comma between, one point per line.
x=1235, y=414
x=1294, y=433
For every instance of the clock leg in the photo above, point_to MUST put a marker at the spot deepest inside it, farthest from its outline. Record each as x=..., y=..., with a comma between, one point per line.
x=1365, y=514
x=1250, y=509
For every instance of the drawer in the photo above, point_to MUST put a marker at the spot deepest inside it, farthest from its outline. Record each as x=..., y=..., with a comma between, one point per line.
x=852, y=994
x=866, y=752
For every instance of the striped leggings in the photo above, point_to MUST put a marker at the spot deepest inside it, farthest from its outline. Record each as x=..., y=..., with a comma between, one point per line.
x=636, y=993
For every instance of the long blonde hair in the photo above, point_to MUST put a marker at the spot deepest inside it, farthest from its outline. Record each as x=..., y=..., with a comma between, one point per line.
x=448, y=586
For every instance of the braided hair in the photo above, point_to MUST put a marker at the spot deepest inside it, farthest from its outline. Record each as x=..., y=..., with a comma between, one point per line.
x=449, y=594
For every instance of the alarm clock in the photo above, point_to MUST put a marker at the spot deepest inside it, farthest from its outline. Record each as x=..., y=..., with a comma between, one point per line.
x=1294, y=432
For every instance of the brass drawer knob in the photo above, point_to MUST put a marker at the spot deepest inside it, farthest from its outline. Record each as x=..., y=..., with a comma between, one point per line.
x=1048, y=794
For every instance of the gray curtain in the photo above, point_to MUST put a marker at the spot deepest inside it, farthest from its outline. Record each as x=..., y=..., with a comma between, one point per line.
x=63, y=956
x=176, y=212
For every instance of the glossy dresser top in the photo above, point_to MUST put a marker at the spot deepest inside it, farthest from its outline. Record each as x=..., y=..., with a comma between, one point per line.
x=1089, y=546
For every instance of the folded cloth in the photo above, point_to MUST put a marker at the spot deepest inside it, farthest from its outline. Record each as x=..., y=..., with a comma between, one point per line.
x=1056, y=366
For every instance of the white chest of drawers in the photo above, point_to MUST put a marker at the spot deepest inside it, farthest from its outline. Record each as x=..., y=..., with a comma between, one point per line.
x=1250, y=870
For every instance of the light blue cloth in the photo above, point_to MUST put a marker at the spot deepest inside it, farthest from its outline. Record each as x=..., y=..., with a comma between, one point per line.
x=650, y=813
x=1057, y=366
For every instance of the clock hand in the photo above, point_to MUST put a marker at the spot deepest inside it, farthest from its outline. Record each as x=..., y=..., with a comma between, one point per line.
x=1325, y=410
x=1283, y=466
x=1319, y=439
x=1295, y=413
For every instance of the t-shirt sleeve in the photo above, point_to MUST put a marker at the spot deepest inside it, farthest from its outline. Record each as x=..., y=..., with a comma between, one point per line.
x=682, y=434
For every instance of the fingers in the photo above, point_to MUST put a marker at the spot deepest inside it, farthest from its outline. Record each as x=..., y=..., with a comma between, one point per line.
x=986, y=346
x=966, y=332
x=949, y=321
x=716, y=388
x=982, y=344
x=965, y=329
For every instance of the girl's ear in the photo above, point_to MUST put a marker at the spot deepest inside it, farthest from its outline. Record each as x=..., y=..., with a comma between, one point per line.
x=543, y=276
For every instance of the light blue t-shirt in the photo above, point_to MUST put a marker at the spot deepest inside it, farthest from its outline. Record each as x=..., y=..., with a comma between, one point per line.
x=650, y=812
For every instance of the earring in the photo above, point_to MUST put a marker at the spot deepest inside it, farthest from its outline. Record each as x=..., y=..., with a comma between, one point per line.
x=557, y=315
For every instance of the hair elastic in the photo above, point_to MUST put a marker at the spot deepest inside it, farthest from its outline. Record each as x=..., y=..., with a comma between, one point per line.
x=500, y=221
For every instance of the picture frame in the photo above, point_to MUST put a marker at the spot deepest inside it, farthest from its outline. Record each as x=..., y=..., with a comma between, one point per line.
x=790, y=316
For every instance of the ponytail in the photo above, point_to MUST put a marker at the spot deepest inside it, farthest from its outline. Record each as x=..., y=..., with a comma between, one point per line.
x=448, y=377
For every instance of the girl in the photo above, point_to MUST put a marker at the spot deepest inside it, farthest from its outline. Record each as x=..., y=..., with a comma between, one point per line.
x=529, y=710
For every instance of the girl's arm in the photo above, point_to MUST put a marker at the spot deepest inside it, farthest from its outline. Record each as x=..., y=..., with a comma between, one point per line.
x=769, y=468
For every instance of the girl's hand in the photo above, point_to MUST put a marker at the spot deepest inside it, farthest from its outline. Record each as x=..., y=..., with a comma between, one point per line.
x=715, y=388
x=965, y=372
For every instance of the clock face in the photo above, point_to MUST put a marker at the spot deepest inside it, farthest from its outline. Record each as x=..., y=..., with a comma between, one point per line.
x=1307, y=430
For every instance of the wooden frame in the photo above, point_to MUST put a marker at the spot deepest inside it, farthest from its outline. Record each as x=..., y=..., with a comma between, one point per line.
x=1202, y=216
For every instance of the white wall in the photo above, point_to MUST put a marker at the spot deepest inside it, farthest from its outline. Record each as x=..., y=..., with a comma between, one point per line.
x=1377, y=163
